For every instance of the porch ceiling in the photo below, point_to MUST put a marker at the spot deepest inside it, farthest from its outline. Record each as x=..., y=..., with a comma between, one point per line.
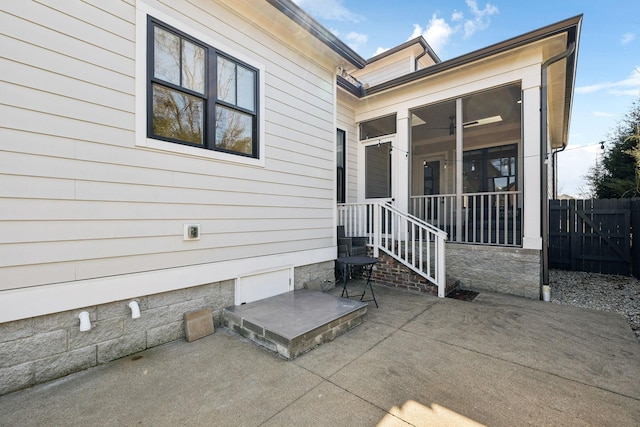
x=434, y=122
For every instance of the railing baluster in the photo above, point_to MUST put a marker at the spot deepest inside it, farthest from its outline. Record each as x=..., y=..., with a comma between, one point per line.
x=376, y=220
x=489, y=218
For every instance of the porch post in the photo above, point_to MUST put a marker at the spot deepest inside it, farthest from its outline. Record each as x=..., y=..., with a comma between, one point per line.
x=401, y=175
x=459, y=182
x=531, y=232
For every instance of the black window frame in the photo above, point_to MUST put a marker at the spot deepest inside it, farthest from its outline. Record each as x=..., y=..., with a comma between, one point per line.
x=380, y=126
x=209, y=97
x=341, y=166
x=480, y=171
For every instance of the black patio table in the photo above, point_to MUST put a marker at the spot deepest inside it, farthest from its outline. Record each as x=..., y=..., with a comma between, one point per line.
x=360, y=261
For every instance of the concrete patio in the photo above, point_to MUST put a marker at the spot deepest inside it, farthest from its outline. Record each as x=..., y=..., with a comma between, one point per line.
x=416, y=360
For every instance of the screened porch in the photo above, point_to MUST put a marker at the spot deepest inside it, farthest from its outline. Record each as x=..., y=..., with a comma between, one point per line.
x=466, y=166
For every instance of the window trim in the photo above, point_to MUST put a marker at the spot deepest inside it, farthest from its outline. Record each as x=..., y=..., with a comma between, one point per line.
x=212, y=39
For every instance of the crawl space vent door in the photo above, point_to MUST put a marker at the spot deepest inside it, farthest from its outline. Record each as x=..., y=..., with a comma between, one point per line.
x=263, y=284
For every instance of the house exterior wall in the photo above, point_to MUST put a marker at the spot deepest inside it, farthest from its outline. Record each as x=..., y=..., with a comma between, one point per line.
x=387, y=70
x=94, y=213
x=42, y=348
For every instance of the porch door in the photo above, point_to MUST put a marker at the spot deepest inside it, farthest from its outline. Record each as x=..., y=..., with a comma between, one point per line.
x=378, y=181
x=431, y=178
x=431, y=187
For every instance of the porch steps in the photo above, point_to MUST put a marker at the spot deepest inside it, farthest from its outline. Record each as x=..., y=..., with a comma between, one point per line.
x=295, y=322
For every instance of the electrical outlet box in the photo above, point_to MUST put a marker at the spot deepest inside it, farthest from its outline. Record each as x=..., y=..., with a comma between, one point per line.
x=191, y=232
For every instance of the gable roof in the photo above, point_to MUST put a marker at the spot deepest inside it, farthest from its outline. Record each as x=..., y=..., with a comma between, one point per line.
x=417, y=40
x=569, y=26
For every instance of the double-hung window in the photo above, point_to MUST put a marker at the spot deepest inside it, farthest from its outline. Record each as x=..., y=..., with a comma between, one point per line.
x=199, y=96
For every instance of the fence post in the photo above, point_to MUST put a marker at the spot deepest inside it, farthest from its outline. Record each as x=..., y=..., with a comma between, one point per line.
x=635, y=235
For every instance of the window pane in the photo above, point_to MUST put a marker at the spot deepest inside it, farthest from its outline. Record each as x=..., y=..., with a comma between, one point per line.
x=226, y=81
x=177, y=115
x=193, y=67
x=490, y=169
x=234, y=130
x=246, y=88
x=378, y=127
x=166, y=56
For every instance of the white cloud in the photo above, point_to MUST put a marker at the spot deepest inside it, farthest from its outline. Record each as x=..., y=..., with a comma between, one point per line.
x=603, y=114
x=625, y=87
x=439, y=32
x=480, y=17
x=329, y=9
x=627, y=38
x=380, y=50
x=356, y=40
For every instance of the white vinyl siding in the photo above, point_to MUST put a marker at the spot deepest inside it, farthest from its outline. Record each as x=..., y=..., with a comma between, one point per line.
x=80, y=200
x=387, y=72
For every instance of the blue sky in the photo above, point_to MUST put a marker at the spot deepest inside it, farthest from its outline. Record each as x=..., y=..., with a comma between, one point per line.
x=608, y=76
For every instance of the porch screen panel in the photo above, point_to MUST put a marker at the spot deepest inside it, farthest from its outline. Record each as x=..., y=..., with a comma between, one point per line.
x=378, y=171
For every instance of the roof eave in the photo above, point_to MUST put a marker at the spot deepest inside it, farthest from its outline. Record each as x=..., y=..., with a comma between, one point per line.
x=348, y=86
x=300, y=17
x=563, y=26
x=572, y=66
x=417, y=40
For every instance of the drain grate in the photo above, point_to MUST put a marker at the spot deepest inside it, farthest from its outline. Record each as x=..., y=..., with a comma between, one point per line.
x=463, y=294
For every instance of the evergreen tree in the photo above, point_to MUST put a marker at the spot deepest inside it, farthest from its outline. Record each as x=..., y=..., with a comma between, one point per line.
x=616, y=175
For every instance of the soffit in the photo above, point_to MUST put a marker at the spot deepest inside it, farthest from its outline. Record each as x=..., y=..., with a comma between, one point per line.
x=559, y=88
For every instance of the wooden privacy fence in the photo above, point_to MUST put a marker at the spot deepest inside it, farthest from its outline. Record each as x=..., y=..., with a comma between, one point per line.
x=595, y=235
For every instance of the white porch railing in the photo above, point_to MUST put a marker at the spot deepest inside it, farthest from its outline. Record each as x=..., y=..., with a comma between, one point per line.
x=482, y=218
x=410, y=240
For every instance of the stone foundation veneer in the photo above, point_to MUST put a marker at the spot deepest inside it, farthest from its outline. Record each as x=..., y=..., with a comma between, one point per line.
x=323, y=271
x=43, y=348
x=513, y=271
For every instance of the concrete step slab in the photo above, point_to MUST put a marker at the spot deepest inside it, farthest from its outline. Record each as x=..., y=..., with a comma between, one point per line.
x=295, y=322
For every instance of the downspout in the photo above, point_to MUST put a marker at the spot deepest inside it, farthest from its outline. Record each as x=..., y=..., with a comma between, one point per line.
x=554, y=170
x=544, y=191
x=417, y=60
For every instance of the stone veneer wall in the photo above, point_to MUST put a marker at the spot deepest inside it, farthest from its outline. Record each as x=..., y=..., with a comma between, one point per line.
x=43, y=348
x=504, y=270
x=323, y=271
